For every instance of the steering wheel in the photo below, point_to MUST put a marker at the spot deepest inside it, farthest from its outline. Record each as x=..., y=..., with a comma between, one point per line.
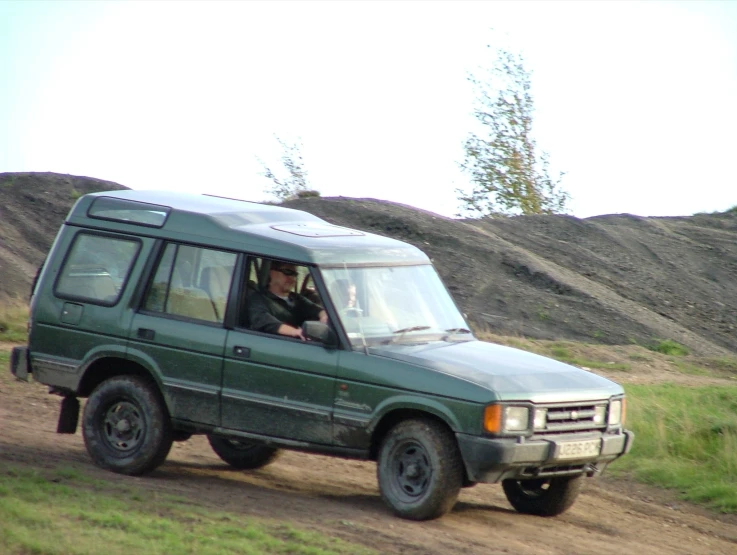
x=351, y=312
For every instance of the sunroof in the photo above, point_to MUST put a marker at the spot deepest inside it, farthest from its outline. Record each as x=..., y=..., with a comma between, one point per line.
x=313, y=229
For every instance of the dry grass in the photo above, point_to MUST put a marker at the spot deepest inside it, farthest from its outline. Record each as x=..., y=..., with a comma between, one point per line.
x=13, y=322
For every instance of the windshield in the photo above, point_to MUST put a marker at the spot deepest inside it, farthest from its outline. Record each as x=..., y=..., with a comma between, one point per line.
x=393, y=304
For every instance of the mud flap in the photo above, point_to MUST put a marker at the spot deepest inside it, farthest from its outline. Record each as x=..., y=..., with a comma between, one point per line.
x=68, y=415
x=19, y=365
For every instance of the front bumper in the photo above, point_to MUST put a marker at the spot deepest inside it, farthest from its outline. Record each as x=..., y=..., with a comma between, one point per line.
x=20, y=365
x=491, y=460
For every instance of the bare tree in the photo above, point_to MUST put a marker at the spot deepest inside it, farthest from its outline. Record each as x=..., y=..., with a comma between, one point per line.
x=508, y=174
x=294, y=182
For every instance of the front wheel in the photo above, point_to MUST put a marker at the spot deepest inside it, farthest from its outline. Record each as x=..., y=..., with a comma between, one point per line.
x=543, y=497
x=126, y=426
x=242, y=454
x=419, y=469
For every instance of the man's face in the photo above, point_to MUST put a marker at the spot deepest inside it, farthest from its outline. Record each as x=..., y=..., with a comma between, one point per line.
x=283, y=278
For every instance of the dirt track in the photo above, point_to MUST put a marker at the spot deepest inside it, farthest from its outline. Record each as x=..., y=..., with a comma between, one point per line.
x=340, y=497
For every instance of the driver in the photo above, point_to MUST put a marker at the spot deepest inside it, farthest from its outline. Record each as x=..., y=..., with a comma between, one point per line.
x=279, y=309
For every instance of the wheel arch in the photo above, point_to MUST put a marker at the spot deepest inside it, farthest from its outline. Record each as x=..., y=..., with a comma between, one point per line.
x=107, y=367
x=399, y=414
x=390, y=417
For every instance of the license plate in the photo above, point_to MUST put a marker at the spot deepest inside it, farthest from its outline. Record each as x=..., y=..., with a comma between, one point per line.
x=579, y=449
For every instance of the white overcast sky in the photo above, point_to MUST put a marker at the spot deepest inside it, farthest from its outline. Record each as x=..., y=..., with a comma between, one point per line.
x=635, y=101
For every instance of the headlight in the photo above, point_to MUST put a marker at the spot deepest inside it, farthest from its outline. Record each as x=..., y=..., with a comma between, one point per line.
x=516, y=419
x=505, y=419
x=615, y=413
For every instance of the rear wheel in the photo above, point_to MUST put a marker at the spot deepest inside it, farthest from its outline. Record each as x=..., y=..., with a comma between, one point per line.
x=126, y=426
x=420, y=470
x=242, y=454
x=543, y=497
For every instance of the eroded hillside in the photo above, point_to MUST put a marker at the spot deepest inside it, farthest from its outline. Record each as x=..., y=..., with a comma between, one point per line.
x=610, y=279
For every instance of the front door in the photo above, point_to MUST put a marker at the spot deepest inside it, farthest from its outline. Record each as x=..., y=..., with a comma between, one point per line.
x=275, y=385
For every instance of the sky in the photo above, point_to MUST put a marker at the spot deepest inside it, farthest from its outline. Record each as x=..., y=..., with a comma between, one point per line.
x=635, y=101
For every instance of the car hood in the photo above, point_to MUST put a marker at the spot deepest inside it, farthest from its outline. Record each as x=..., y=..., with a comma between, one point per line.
x=510, y=374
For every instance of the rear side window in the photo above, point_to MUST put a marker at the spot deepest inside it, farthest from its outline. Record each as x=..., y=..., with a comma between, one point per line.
x=191, y=282
x=96, y=268
x=129, y=212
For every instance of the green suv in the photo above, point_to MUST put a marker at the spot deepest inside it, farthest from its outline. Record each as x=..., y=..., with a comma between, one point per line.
x=145, y=307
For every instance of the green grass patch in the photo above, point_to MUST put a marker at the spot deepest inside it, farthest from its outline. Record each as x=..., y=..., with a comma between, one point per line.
x=686, y=440
x=687, y=367
x=669, y=347
x=13, y=324
x=88, y=516
x=723, y=363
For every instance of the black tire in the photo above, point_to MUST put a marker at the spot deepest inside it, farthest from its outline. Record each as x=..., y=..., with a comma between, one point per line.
x=543, y=497
x=126, y=426
x=242, y=454
x=179, y=435
x=420, y=470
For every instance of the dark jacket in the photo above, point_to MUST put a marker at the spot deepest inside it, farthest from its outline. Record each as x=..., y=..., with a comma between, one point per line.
x=266, y=311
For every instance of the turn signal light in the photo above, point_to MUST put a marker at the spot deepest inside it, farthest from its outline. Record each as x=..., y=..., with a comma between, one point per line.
x=493, y=419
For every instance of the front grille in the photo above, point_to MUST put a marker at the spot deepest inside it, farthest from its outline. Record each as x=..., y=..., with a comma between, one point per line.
x=571, y=418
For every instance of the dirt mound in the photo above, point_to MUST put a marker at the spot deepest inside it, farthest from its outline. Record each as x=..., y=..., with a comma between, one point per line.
x=32, y=207
x=615, y=279
x=610, y=279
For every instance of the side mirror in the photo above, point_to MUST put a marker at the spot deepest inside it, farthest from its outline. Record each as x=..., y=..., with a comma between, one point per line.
x=317, y=331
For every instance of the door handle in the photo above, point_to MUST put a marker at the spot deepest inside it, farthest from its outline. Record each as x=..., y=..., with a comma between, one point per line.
x=144, y=333
x=244, y=352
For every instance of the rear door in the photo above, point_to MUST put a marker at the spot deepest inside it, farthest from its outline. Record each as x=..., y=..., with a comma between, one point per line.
x=179, y=328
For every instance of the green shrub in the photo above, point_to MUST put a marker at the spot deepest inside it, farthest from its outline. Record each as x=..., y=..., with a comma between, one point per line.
x=669, y=347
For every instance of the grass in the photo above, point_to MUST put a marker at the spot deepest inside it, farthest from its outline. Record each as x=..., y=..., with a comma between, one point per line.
x=13, y=322
x=89, y=516
x=668, y=347
x=686, y=440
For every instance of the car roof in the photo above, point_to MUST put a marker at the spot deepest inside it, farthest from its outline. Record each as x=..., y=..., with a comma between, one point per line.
x=233, y=224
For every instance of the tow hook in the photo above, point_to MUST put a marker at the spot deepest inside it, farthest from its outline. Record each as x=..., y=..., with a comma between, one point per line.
x=591, y=470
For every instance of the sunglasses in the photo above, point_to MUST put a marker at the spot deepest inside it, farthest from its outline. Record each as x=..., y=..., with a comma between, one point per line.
x=287, y=271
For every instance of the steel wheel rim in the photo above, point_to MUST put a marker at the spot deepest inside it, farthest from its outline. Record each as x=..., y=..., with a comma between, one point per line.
x=411, y=470
x=123, y=426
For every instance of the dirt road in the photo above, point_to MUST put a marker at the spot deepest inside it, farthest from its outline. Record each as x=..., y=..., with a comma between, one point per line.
x=340, y=498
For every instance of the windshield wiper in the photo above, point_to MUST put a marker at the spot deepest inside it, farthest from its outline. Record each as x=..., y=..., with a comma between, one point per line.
x=406, y=330
x=413, y=328
x=453, y=331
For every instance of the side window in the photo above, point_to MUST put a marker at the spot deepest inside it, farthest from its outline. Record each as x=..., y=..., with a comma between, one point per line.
x=96, y=268
x=192, y=282
x=279, y=292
